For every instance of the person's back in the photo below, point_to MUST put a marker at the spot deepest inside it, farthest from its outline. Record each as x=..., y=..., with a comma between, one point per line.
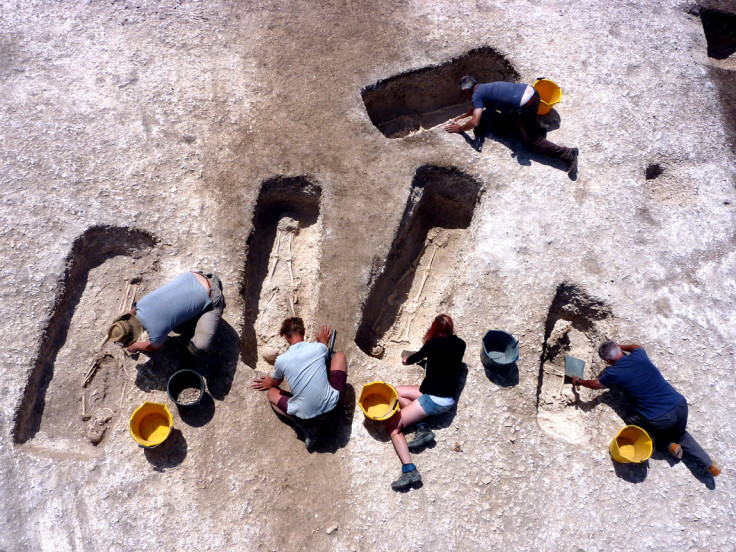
x=304, y=367
x=636, y=376
x=504, y=96
x=179, y=301
x=444, y=360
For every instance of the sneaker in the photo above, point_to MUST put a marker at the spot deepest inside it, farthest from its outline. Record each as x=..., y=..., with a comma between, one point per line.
x=675, y=450
x=478, y=143
x=421, y=437
x=572, y=168
x=310, y=429
x=406, y=480
x=714, y=470
x=311, y=439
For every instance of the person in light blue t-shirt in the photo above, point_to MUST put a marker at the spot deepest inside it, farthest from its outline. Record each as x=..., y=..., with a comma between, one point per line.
x=660, y=409
x=316, y=386
x=188, y=297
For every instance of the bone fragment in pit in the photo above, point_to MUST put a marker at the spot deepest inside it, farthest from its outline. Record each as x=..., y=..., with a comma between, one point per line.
x=124, y=300
x=122, y=363
x=269, y=354
x=288, y=224
x=85, y=416
x=135, y=291
x=426, y=274
x=91, y=372
x=122, y=397
x=288, y=262
x=261, y=318
x=377, y=350
x=437, y=237
x=275, y=255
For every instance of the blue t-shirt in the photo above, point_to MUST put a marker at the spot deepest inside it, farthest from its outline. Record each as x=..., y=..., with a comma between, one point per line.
x=504, y=96
x=636, y=376
x=304, y=367
x=179, y=301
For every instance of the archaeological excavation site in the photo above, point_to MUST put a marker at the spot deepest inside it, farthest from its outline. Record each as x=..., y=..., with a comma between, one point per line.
x=301, y=159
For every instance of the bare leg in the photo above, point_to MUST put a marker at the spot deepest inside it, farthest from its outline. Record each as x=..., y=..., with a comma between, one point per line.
x=339, y=363
x=403, y=418
x=274, y=395
x=407, y=394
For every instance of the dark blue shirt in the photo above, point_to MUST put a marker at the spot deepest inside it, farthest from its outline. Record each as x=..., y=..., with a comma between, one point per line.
x=504, y=96
x=636, y=376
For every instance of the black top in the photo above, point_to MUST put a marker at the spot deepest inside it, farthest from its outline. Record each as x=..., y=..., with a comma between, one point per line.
x=444, y=359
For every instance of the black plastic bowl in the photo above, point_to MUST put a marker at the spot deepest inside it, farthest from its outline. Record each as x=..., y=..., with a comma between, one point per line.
x=499, y=349
x=184, y=379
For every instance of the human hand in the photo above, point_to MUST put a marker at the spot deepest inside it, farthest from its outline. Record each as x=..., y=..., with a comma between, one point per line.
x=575, y=381
x=403, y=358
x=323, y=334
x=452, y=127
x=263, y=383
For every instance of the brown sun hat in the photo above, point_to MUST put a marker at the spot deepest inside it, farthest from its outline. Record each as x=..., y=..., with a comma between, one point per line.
x=125, y=329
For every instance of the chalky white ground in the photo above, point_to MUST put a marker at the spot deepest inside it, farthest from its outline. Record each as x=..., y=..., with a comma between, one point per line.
x=167, y=118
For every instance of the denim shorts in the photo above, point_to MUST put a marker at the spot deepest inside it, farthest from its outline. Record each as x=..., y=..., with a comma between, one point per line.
x=430, y=407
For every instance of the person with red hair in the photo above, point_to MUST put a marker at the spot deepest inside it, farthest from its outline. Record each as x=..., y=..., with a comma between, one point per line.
x=443, y=351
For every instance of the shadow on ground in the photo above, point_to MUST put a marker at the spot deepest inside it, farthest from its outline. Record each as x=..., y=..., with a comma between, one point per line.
x=503, y=376
x=502, y=129
x=200, y=414
x=335, y=427
x=632, y=473
x=168, y=454
x=217, y=366
x=636, y=473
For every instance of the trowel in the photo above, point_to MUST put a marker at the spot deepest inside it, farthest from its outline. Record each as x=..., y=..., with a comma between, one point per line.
x=574, y=367
x=331, y=349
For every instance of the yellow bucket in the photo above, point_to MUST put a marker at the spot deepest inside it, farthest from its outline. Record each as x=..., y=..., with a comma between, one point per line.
x=151, y=424
x=549, y=94
x=631, y=444
x=378, y=400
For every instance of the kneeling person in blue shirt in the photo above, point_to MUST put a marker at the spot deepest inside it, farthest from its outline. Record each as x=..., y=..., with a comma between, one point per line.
x=316, y=388
x=660, y=409
x=520, y=101
x=188, y=297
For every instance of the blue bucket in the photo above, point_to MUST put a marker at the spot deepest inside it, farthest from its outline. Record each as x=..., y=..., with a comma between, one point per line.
x=499, y=349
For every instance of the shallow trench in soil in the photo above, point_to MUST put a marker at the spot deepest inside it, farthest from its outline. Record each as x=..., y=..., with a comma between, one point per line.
x=282, y=266
x=424, y=98
x=76, y=389
x=416, y=283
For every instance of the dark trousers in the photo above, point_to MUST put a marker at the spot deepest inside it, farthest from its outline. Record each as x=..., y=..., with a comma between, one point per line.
x=531, y=132
x=670, y=428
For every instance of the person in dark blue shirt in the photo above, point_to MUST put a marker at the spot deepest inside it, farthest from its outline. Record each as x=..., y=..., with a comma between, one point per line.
x=519, y=100
x=660, y=409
